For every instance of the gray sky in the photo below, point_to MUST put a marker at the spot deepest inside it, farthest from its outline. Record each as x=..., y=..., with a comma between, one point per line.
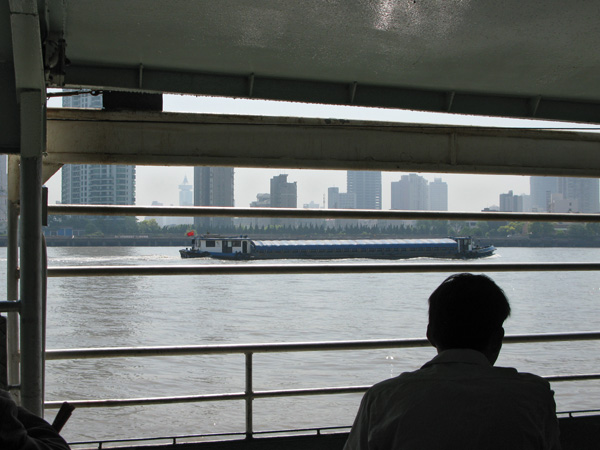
x=465, y=192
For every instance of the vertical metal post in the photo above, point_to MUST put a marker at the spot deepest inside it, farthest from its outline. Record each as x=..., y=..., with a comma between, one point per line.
x=249, y=396
x=32, y=342
x=12, y=267
x=3, y=354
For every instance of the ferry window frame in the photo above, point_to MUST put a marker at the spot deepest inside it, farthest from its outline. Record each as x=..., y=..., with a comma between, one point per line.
x=210, y=244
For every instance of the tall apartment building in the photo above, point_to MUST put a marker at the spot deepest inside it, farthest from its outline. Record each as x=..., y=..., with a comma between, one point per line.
x=366, y=186
x=82, y=101
x=283, y=193
x=411, y=192
x=213, y=186
x=95, y=184
x=438, y=195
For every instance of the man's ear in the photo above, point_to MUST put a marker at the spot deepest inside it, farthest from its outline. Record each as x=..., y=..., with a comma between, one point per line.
x=499, y=338
x=495, y=345
x=430, y=337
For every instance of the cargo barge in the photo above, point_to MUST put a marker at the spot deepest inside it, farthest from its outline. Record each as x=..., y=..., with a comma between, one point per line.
x=244, y=248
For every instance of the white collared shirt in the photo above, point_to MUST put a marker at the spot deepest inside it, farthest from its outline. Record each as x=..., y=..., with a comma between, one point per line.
x=458, y=400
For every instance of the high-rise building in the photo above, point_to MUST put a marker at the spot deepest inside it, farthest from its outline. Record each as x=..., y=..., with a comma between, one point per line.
x=283, y=193
x=366, y=186
x=213, y=186
x=581, y=194
x=81, y=100
x=186, y=194
x=511, y=203
x=340, y=200
x=438, y=195
x=541, y=190
x=411, y=192
x=95, y=184
x=585, y=191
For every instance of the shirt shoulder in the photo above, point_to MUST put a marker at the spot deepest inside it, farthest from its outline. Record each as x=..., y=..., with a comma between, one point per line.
x=524, y=377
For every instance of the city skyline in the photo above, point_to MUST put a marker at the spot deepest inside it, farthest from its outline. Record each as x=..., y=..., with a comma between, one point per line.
x=246, y=193
x=467, y=193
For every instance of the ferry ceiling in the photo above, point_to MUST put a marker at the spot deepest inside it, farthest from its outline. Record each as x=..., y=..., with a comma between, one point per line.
x=534, y=60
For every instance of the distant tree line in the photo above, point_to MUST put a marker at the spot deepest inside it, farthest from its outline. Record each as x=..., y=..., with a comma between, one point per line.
x=94, y=226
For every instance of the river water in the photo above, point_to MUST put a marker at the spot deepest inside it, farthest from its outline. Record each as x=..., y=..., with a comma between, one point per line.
x=177, y=310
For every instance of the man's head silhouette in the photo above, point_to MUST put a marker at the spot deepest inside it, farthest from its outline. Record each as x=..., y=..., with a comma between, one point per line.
x=467, y=311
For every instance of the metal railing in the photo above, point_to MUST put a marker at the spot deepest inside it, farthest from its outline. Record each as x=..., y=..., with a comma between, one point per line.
x=281, y=269
x=310, y=213
x=248, y=350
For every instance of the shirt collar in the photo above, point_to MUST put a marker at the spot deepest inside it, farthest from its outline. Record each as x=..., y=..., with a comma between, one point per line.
x=460, y=355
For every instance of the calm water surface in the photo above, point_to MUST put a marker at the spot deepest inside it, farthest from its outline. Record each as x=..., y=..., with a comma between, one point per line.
x=176, y=310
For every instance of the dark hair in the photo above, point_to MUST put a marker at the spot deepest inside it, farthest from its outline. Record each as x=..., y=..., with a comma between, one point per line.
x=465, y=310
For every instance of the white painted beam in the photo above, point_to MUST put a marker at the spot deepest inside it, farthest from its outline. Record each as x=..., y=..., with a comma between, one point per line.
x=27, y=45
x=158, y=138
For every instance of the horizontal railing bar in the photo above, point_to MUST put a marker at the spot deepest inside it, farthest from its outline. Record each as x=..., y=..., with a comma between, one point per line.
x=10, y=306
x=359, y=389
x=281, y=269
x=256, y=395
x=184, y=437
x=172, y=439
x=110, y=403
x=579, y=411
x=300, y=213
x=188, y=350
x=573, y=377
x=312, y=391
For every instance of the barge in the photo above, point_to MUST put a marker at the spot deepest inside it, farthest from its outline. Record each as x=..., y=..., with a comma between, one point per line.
x=244, y=248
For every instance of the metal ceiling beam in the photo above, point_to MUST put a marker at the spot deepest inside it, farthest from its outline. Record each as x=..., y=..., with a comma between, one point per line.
x=158, y=138
x=335, y=93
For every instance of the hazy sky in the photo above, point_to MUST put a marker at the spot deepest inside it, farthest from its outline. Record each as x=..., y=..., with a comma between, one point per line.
x=465, y=192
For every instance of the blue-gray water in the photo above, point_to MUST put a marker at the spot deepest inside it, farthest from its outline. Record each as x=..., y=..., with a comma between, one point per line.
x=175, y=310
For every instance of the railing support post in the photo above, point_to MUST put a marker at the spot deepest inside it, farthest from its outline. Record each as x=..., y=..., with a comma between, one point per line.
x=249, y=396
x=12, y=267
x=32, y=333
